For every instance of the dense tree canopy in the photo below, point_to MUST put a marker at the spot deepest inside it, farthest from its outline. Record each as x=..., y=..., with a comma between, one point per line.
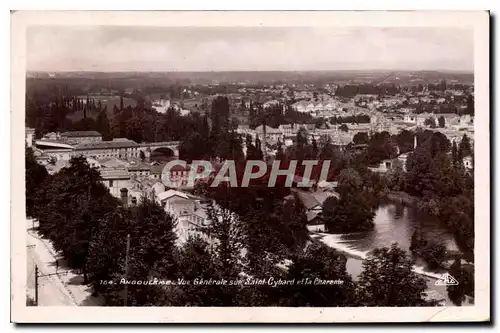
x=464, y=274
x=387, y=279
x=255, y=230
x=352, y=212
x=35, y=176
x=70, y=208
x=435, y=174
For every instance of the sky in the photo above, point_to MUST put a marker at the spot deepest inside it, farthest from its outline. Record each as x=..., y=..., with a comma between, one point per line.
x=113, y=48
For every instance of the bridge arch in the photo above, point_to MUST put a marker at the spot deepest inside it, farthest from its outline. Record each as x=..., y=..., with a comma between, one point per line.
x=162, y=154
x=160, y=150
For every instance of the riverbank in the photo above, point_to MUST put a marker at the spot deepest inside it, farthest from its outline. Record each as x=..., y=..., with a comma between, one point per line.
x=401, y=197
x=350, y=253
x=417, y=203
x=335, y=241
x=354, y=266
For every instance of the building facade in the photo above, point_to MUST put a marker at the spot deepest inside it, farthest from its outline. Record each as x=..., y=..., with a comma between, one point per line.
x=115, y=179
x=30, y=136
x=79, y=137
x=120, y=148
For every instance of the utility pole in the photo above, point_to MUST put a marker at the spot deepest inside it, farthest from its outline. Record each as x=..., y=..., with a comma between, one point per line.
x=36, y=285
x=126, y=269
x=264, y=125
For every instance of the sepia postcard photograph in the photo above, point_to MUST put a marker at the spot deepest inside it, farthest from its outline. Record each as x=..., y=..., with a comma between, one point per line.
x=251, y=167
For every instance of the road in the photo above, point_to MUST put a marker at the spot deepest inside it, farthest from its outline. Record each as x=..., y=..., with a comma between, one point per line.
x=51, y=291
x=63, y=289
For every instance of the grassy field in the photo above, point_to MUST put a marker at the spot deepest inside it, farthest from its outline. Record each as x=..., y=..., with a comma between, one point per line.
x=109, y=101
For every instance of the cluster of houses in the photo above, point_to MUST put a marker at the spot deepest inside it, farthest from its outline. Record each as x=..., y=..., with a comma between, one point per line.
x=63, y=146
x=162, y=105
x=312, y=107
x=130, y=179
x=451, y=120
x=454, y=127
x=133, y=180
x=286, y=133
x=123, y=168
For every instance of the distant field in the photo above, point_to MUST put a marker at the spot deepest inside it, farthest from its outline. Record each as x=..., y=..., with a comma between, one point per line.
x=109, y=101
x=78, y=115
x=192, y=104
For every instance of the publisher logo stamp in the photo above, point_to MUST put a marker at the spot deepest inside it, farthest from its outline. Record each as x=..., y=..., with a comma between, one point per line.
x=446, y=280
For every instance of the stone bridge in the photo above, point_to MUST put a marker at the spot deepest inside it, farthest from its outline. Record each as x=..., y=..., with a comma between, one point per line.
x=150, y=147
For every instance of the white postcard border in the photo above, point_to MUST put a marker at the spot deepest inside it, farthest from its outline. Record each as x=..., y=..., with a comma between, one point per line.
x=478, y=20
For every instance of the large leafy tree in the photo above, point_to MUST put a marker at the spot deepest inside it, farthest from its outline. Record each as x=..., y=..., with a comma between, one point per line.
x=465, y=147
x=197, y=261
x=225, y=234
x=380, y=146
x=35, y=176
x=352, y=212
x=314, y=266
x=193, y=147
x=405, y=141
x=102, y=124
x=470, y=105
x=434, y=254
x=464, y=274
x=152, y=248
x=443, y=187
x=151, y=254
x=387, y=279
x=225, y=228
x=72, y=204
x=220, y=115
x=441, y=122
x=418, y=177
x=360, y=138
x=106, y=258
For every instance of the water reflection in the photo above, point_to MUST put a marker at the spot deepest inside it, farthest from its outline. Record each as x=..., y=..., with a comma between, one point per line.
x=393, y=223
x=396, y=223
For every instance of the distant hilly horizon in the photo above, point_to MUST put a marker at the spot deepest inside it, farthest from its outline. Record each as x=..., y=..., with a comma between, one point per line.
x=267, y=71
x=258, y=77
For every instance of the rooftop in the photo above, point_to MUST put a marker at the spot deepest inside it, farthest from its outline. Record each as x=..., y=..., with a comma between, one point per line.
x=116, y=143
x=114, y=174
x=447, y=115
x=139, y=167
x=52, y=143
x=74, y=134
x=157, y=169
x=322, y=196
x=171, y=193
x=269, y=130
x=307, y=198
x=112, y=162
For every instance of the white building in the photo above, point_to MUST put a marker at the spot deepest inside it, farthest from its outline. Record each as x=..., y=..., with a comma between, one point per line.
x=270, y=132
x=115, y=179
x=468, y=164
x=161, y=105
x=30, y=136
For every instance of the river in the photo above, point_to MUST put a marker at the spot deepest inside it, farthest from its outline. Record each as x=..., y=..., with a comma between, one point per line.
x=394, y=223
